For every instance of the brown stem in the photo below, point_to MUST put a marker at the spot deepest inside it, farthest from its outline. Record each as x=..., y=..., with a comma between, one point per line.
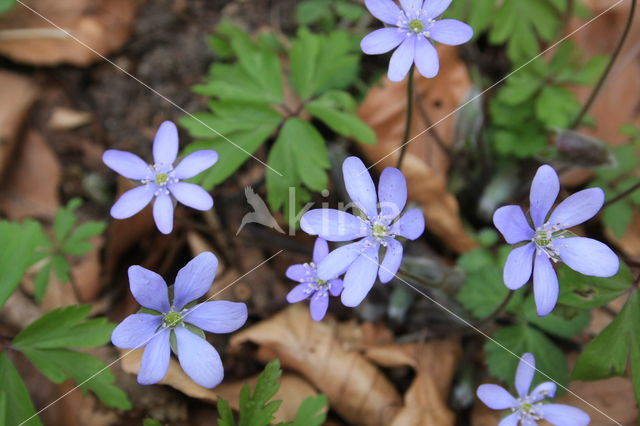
x=407, y=123
x=622, y=195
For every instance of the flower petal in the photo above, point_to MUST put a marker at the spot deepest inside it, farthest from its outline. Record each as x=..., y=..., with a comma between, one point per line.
x=392, y=192
x=135, y=331
x=163, y=213
x=194, y=279
x=496, y=397
x=542, y=391
x=391, y=261
x=402, y=59
x=318, y=306
x=517, y=269
x=165, y=144
x=359, y=185
x=577, y=208
x=382, y=40
x=544, y=191
x=217, y=316
x=195, y=163
x=360, y=277
x=336, y=286
x=132, y=201
x=155, y=359
x=199, y=359
x=524, y=374
x=339, y=260
x=545, y=285
x=411, y=6
x=300, y=292
x=333, y=225
x=434, y=8
x=385, y=10
x=410, y=225
x=510, y=420
x=588, y=256
x=298, y=272
x=320, y=250
x=564, y=415
x=126, y=164
x=149, y=289
x=450, y=32
x=426, y=58
x=512, y=224
x=191, y=195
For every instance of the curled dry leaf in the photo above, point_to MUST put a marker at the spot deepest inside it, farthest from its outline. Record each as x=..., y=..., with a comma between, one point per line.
x=17, y=94
x=32, y=183
x=426, y=163
x=425, y=403
x=357, y=390
x=103, y=25
x=293, y=388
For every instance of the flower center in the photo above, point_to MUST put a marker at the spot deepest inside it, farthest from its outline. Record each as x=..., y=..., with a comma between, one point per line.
x=161, y=179
x=379, y=231
x=172, y=319
x=529, y=411
x=416, y=26
x=544, y=239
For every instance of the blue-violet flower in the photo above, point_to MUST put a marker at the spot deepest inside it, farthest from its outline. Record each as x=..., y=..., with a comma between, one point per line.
x=161, y=178
x=310, y=285
x=528, y=408
x=413, y=27
x=549, y=239
x=175, y=319
x=377, y=228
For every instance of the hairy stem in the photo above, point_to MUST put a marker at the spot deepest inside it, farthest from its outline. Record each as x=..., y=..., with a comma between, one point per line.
x=407, y=123
x=623, y=194
x=614, y=56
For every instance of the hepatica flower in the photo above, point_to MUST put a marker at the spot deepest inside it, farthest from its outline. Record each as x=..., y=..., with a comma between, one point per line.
x=527, y=409
x=413, y=28
x=311, y=286
x=376, y=228
x=176, y=323
x=161, y=180
x=548, y=241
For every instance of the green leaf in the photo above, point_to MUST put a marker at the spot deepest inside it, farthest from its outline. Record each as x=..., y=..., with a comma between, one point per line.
x=18, y=243
x=618, y=217
x=6, y=5
x=65, y=327
x=607, y=354
x=349, y=10
x=572, y=324
x=65, y=219
x=42, y=281
x=90, y=373
x=15, y=395
x=312, y=411
x=519, y=339
x=151, y=422
x=313, y=11
x=262, y=66
x=336, y=109
x=225, y=413
x=300, y=154
x=255, y=408
x=586, y=292
x=77, y=243
x=61, y=267
x=556, y=106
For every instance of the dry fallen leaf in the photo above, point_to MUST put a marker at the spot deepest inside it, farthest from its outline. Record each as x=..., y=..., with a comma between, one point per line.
x=434, y=363
x=103, y=25
x=32, y=181
x=293, y=388
x=426, y=164
x=67, y=119
x=17, y=94
x=357, y=390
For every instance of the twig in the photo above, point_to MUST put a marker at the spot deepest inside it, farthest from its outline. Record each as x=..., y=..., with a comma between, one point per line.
x=622, y=195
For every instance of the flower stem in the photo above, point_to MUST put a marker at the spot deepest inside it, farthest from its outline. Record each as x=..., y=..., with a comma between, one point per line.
x=623, y=194
x=614, y=56
x=407, y=123
x=498, y=310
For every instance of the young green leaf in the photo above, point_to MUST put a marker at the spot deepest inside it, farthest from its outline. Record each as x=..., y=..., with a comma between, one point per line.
x=65, y=219
x=312, y=411
x=225, y=414
x=16, y=396
x=255, y=408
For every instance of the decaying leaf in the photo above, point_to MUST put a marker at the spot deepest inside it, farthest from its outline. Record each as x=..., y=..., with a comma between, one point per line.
x=357, y=390
x=104, y=25
x=293, y=388
x=425, y=403
x=426, y=163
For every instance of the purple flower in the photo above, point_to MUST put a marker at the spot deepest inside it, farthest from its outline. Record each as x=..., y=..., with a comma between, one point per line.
x=161, y=178
x=549, y=239
x=413, y=28
x=177, y=320
x=377, y=228
x=312, y=286
x=527, y=409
